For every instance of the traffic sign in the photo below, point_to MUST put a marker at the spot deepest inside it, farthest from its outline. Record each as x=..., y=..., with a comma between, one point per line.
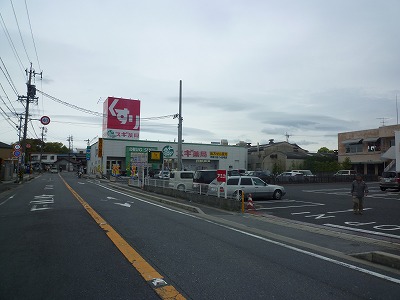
x=17, y=153
x=45, y=120
x=17, y=146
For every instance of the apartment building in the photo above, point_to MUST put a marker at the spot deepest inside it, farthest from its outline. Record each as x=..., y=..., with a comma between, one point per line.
x=367, y=148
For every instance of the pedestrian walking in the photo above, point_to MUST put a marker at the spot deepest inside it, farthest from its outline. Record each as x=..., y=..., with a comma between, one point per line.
x=359, y=190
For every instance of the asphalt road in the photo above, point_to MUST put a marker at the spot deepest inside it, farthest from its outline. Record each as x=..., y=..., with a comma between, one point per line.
x=56, y=242
x=331, y=205
x=51, y=249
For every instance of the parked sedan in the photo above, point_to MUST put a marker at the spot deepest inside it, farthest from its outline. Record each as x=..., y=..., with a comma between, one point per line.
x=258, y=189
x=290, y=177
x=263, y=175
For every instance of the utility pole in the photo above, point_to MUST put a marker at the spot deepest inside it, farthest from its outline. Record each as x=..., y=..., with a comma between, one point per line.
x=29, y=98
x=179, y=154
x=70, y=140
x=44, y=130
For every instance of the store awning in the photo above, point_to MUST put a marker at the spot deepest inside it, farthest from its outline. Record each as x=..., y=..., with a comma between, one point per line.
x=390, y=154
x=371, y=140
x=355, y=141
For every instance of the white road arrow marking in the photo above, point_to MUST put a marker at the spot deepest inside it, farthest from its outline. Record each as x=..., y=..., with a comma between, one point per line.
x=7, y=199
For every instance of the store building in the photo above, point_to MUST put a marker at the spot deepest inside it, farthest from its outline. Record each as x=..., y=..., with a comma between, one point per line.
x=126, y=155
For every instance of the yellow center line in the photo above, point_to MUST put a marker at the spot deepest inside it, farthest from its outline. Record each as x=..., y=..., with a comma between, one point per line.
x=165, y=291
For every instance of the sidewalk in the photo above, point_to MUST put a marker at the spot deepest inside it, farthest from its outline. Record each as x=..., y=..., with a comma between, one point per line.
x=6, y=185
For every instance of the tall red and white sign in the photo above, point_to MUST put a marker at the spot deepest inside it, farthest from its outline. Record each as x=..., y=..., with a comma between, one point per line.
x=121, y=118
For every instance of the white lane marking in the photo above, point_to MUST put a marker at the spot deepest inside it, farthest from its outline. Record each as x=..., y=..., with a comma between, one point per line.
x=305, y=204
x=48, y=187
x=123, y=204
x=42, y=202
x=111, y=198
x=7, y=199
x=363, y=231
x=290, y=206
x=302, y=213
x=318, y=256
x=347, y=210
x=34, y=208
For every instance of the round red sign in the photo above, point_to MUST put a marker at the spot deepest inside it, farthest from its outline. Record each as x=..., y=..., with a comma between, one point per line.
x=45, y=120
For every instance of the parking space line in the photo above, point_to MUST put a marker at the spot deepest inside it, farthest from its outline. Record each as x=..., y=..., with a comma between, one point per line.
x=363, y=231
x=290, y=206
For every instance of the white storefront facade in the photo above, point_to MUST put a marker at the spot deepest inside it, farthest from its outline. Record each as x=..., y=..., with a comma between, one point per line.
x=107, y=153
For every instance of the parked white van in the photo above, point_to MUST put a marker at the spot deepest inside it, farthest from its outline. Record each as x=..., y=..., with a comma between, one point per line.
x=181, y=180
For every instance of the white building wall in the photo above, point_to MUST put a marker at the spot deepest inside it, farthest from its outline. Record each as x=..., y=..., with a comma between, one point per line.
x=236, y=157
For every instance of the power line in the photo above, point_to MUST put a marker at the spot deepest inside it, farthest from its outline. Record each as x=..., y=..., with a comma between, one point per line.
x=14, y=112
x=15, y=52
x=19, y=30
x=8, y=77
x=94, y=112
x=33, y=40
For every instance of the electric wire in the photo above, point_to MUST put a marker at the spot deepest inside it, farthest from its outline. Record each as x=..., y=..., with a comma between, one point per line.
x=94, y=112
x=12, y=111
x=19, y=30
x=30, y=121
x=33, y=39
x=8, y=77
x=7, y=117
x=15, y=52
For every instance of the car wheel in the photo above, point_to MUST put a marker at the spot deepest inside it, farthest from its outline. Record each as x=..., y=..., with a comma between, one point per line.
x=277, y=195
x=181, y=188
x=383, y=189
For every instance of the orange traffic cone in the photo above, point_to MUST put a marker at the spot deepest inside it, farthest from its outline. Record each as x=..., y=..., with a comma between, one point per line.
x=250, y=204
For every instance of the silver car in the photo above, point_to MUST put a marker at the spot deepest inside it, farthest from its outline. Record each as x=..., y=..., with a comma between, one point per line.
x=258, y=189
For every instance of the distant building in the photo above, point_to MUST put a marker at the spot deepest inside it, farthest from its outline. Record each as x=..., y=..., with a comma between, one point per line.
x=69, y=162
x=279, y=156
x=8, y=162
x=368, y=150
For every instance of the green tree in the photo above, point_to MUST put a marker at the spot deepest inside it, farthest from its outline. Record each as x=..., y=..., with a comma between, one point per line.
x=346, y=164
x=324, y=150
x=55, y=147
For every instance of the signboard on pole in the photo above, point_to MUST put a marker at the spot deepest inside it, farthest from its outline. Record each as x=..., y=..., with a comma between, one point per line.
x=121, y=118
x=155, y=157
x=221, y=175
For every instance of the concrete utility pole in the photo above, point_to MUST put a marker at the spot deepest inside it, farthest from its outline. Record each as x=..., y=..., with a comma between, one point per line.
x=29, y=98
x=70, y=141
x=44, y=130
x=179, y=154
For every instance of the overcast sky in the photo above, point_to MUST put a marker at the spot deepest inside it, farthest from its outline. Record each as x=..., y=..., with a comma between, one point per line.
x=252, y=70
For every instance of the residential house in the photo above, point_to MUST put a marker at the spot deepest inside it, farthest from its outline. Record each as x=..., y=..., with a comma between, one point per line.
x=276, y=157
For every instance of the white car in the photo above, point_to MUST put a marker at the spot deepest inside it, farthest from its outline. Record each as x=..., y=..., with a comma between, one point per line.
x=258, y=189
x=181, y=180
x=162, y=175
x=54, y=170
x=290, y=177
